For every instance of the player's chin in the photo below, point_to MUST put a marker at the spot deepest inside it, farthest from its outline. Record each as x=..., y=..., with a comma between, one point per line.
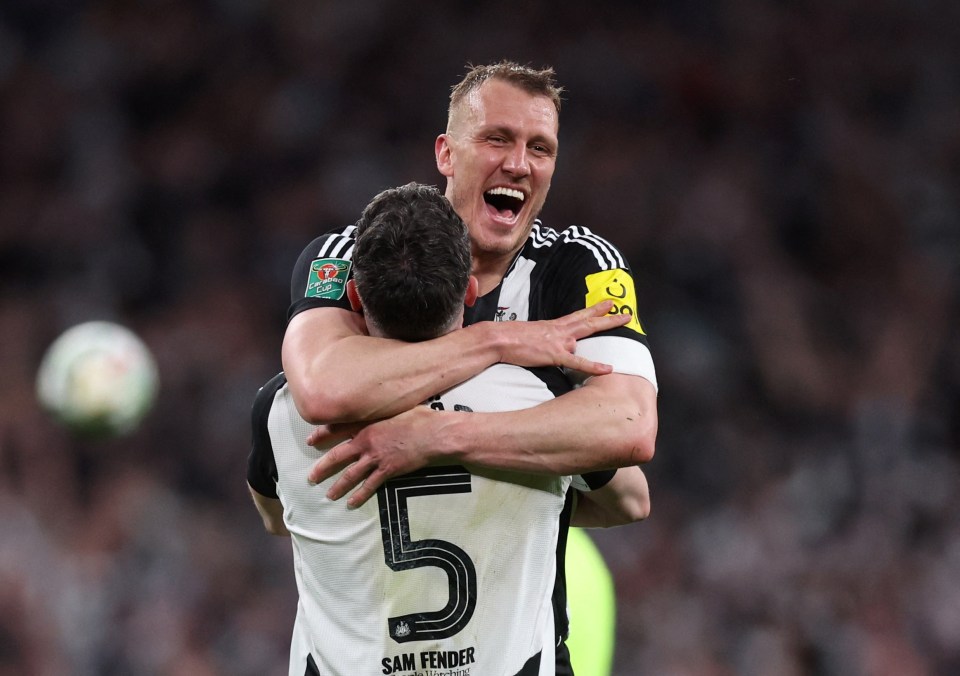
x=500, y=243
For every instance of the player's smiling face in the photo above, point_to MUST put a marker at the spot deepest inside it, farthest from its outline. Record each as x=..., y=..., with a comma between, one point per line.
x=498, y=155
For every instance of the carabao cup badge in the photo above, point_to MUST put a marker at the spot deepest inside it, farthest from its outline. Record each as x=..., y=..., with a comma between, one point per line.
x=328, y=278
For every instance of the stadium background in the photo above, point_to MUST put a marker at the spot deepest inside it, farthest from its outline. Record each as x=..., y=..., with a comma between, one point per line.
x=782, y=175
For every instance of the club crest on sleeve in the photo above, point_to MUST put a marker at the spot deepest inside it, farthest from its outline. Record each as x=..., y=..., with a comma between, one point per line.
x=328, y=278
x=615, y=285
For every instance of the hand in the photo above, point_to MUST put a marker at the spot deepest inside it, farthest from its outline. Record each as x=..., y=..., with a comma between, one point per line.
x=326, y=436
x=552, y=342
x=376, y=452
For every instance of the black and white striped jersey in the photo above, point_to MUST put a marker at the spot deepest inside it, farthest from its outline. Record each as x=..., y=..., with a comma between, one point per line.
x=449, y=570
x=554, y=274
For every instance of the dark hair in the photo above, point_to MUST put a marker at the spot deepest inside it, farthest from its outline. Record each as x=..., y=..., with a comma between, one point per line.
x=411, y=262
x=531, y=80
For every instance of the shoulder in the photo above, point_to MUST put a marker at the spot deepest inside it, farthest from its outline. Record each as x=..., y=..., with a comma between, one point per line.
x=337, y=243
x=321, y=271
x=263, y=400
x=261, y=462
x=573, y=243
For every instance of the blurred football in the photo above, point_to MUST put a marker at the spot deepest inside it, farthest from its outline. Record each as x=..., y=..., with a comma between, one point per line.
x=98, y=379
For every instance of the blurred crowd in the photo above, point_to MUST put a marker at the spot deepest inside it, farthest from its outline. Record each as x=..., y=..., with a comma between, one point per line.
x=783, y=176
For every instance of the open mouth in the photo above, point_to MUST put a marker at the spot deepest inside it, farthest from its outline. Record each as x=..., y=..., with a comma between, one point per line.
x=507, y=201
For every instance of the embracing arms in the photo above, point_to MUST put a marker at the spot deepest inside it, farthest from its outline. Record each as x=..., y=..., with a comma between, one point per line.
x=609, y=422
x=337, y=373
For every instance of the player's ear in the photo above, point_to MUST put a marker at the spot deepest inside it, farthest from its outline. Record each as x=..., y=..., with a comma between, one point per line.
x=473, y=289
x=353, y=296
x=441, y=149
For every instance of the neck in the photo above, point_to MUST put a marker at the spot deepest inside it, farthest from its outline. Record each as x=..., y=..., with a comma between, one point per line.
x=490, y=270
x=488, y=277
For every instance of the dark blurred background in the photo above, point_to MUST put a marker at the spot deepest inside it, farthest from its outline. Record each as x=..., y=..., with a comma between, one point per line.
x=783, y=177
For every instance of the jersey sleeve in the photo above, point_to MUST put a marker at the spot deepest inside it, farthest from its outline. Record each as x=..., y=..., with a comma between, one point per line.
x=591, y=481
x=587, y=269
x=321, y=272
x=262, y=472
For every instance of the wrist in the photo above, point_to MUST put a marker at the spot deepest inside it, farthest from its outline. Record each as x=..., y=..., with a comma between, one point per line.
x=489, y=341
x=450, y=441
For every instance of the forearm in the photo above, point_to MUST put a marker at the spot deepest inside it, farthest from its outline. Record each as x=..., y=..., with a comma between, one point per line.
x=271, y=512
x=613, y=424
x=588, y=514
x=337, y=373
x=349, y=376
x=625, y=499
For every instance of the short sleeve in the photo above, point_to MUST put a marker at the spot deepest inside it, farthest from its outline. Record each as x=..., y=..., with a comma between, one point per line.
x=591, y=481
x=321, y=272
x=262, y=472
x=586, y=270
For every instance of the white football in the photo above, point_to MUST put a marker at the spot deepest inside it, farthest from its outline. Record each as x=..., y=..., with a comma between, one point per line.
x=98, y=378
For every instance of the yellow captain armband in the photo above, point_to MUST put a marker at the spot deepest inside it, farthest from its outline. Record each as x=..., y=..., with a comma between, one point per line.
x=615, y=285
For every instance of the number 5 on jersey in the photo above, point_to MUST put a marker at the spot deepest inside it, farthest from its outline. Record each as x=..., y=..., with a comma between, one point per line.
x=401, y=553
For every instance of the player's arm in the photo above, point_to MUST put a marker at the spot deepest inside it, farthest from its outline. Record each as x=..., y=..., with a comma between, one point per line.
x=336, y=373
x=271, y=511
x=622, y=500
x=609, y=422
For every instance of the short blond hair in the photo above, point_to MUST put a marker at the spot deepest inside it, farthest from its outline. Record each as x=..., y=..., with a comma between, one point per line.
x=539, y=82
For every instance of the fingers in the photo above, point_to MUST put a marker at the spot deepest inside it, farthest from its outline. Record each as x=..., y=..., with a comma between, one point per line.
x=593, y=319
x=339, y=459
x=355, y=473
x=318, y=436
x=325, y=436
x=595, y=310
x=605, y=323
x=586, y=322
x=334, y=460
x=584, y=365
x=366, y=490
x=597, y=318
x=358, y=475
x=351, y=477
